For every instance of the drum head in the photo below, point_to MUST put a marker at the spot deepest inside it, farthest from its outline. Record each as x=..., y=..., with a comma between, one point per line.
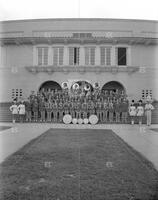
x=74, y=121
x=67, y=119
x=80, y=121
x=93, y=119
x=86, y=121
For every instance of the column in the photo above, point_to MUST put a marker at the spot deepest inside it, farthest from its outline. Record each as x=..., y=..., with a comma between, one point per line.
x=82, y=56
x=97, y=55
x=66, y=56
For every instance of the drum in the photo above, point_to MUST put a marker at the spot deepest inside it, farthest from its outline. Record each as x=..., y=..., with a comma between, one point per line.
x=93, y=119
x=80, y=121
x=67, y=119
x=85, y=121
x=74, y=121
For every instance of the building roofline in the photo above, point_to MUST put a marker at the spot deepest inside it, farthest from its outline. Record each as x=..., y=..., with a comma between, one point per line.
x=79, y=19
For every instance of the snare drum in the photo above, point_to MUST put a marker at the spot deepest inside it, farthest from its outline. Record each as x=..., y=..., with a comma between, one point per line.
x=93, y=119
x=67, y=119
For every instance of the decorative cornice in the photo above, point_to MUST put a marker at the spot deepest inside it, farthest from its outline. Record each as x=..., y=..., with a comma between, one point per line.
x=82, y=69
x=72, y=40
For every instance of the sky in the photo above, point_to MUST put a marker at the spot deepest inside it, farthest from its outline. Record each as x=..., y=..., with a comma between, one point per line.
x=37, y=9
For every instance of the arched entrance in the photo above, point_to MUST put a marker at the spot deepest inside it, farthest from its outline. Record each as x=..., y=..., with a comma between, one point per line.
x=113, y=85
x=50, y=85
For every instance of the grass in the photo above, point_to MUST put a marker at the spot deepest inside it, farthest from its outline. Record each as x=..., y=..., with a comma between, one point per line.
x=154, y=129
x=78, y=165
x=2, y=128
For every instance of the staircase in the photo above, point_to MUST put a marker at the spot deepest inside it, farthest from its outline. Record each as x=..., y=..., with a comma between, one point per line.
x=5, y=114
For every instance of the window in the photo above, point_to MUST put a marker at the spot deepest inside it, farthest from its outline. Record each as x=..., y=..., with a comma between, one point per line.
x=105, y=55
x=17, y=93
x=82, y=35
x=146, y=93
x=42, y=55
x=58, y=53
x=90, y=55
x=74, y=55
x=122, y=56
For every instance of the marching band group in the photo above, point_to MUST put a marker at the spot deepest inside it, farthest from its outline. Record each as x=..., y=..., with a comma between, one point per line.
x=52, y=105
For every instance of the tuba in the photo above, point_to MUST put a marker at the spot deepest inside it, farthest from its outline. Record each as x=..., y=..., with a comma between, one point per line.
x=96, y=85
x=87, y=87
x=75, y=86
x=64, y=85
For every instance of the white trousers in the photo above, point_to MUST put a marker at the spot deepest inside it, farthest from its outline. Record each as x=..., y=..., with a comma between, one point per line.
x=148, y=115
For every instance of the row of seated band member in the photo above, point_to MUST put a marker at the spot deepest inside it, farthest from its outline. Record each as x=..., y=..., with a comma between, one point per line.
x=51, y=106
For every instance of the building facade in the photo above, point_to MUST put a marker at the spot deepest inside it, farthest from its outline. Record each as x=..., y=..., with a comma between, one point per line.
x=47, y=52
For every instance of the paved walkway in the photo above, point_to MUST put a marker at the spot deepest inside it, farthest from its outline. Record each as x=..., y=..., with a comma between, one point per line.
x=141, y=138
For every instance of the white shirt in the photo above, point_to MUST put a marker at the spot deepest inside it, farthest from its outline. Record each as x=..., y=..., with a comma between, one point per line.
x=21, y=109
x=14, y=109
x=132, y=110
x=140, y=110
x=149, y=107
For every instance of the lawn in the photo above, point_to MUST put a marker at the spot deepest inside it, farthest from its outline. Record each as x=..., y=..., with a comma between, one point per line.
x=2, y=128
x=70, y=164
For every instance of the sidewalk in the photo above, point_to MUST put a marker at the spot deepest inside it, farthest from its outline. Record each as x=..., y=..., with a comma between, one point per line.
x=141, y=138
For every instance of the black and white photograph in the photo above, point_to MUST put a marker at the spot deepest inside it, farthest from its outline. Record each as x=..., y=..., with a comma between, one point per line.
x=78, y=100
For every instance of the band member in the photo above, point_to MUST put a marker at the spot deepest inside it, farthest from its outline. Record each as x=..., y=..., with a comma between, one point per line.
x=85, y=109
x=91, y=107
x=78, y=109
x=132, y=112
x=55, y=111
x=140, y=112
x=124, y=108
x=35, y=110
x=66, y=107
x=14, y=109
x=111, y=111
x=117, y=109
x=21, y=110
x=148, y=108
x=48, y=106
x=28, y=110
x=105, y=111
x=98, y=110
x=42, y=110
x=61, y=110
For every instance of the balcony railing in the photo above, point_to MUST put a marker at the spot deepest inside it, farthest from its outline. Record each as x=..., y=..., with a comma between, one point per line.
x=82, y=69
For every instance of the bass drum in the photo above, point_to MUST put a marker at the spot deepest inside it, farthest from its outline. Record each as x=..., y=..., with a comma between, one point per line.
x=74, y=121
x=85, y=121
x=67, y=119
x=93, y=119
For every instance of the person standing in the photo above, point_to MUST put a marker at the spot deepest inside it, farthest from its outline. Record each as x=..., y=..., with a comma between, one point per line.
x=105, y=111
x=42, y=110
x=21, y=110
x=124, y=110
x=28, y=110
x=14, y=109
x=117, y=109
x=111, y=111
x=132, y=112
x=140, y=112
x=61, y=111
x=35, y=110
x=148, y=108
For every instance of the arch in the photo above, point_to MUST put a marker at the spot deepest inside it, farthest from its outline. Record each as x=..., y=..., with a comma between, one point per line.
x=50, y=84
x=113, y=85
